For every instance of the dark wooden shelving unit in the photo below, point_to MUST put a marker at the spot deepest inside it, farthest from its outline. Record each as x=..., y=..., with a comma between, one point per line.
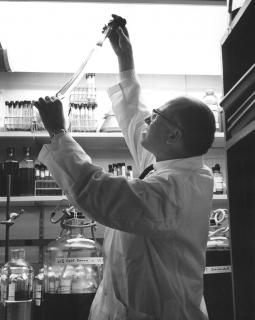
x=238, y=54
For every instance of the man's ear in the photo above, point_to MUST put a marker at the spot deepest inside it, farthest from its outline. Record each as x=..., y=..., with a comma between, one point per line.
x=173, y=136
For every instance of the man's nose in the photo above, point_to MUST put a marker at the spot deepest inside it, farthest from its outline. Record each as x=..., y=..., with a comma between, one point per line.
x=147, y=120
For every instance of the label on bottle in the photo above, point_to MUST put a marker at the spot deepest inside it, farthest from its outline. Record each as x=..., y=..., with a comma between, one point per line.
x=218, y=269
x=218, y=184
x=65, y=286
x=38, y=294
x=3, y=292
x=11, y=292
x=76, y=261
x=51, y=285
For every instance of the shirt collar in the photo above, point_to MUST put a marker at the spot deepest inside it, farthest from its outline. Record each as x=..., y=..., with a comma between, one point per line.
x=191, y=163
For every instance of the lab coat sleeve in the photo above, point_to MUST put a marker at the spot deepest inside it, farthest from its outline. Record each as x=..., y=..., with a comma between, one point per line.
x=134, y=207
x=130, y=111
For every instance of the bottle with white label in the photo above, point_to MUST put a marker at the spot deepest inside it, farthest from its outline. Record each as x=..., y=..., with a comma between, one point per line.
x=17, y=286
x=74, y=264
x=218, y=179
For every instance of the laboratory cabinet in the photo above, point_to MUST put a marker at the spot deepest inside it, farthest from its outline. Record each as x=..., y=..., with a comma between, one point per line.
x=238, y=52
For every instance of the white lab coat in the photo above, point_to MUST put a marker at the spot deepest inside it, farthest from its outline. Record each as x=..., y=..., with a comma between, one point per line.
x=157, y=228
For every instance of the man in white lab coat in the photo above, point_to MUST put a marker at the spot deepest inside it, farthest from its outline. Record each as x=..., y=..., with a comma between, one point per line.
x=156, y=228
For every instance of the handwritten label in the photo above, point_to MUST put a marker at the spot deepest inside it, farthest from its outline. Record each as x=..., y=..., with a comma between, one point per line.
x=76, y=261
x=218, y=269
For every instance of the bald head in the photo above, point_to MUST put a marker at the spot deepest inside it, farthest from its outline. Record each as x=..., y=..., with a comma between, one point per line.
x=196, y=121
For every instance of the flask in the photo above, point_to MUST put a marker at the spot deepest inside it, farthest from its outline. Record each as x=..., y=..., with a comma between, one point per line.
x=218, y=179
x=16, y=286
x=211, y=100
x=73, y=270
x=11, y=167
x=26, y=174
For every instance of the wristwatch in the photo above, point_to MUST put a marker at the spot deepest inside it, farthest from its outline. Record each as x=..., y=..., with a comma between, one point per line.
x=57, y=132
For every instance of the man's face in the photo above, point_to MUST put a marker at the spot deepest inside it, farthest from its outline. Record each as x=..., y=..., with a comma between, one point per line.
x=159, y=125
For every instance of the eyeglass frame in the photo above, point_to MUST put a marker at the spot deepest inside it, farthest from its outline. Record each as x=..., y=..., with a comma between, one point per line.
x=160, y=113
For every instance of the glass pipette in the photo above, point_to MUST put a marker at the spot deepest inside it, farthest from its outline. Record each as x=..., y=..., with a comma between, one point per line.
x=67, y=88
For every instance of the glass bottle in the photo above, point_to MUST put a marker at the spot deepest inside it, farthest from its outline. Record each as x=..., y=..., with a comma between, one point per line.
x=110, y=168
x=218, y=179
x=17, y=286
x=211, y=100
x=26, y=174
x=74, y=267
x=2, y=112
x=129, y=173
x=38, y=287
x=2, y=185
x=11, y=167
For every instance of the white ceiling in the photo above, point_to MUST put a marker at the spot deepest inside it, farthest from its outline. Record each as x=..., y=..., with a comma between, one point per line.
x=56, y=37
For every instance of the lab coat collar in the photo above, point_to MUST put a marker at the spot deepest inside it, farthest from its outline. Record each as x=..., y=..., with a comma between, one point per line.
x=191, y=163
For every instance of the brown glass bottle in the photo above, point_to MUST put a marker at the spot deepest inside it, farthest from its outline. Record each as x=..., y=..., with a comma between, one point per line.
x=26, y=174
x=11, y=167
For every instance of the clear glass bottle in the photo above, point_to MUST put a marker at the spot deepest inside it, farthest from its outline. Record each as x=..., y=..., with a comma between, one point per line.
x=11, y=167
x=38, y=287
x=73, y=271
x=17, y=286
x=26, y=174
x=211, y=100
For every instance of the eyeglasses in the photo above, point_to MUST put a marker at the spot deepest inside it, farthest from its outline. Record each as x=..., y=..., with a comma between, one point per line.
x=155, y=114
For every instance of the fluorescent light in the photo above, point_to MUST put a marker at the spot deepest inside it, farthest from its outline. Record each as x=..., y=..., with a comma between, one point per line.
x=56, y=37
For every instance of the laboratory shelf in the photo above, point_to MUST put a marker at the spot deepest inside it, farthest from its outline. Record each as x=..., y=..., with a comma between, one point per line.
x=55, y=200
x=90, y=140
x=34, y=200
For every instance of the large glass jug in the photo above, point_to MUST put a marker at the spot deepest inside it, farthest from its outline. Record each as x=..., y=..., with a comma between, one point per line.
x=16, y=286
x=73, y=269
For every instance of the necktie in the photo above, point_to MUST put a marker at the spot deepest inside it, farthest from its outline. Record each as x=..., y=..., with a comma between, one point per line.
x=146, y=171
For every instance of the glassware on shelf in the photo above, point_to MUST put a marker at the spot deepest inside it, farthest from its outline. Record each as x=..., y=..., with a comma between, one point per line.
x=38, y=288
x=110, y=123
x=211, y=100
x=17, y=286
x=218, y=179
x=83, y=106
x=11, y=167
x=19, y=115
x=26, y=174
x=44, y=183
